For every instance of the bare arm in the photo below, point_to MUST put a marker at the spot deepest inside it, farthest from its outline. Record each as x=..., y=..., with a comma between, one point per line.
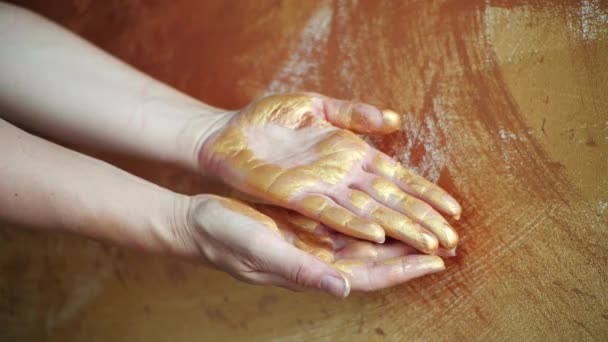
x=48, y=187
x=57, y=84
x=54, y=82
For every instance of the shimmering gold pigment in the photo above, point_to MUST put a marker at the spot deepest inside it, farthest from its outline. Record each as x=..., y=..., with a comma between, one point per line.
x=359, y=199
x=531, y=69
x=246, y=210
x=416, y=210
x=327, y=162
x=335, y=156
x=419, y=186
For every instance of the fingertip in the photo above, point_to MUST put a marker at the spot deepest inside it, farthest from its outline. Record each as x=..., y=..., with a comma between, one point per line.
x=409, y=267
x=446, y=253
x=429, y=243
x=376, y=233
x=432, y=264
x=453, y=207
x=426, y=264
x=450, y=238
x=391, y=121
x=366, y=229
x=334, y=285
x=380, y=238
x=347, y=284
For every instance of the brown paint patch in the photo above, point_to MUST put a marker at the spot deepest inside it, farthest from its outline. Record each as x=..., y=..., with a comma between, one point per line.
x=267, y=302
x=175, y=273
x=526, y=234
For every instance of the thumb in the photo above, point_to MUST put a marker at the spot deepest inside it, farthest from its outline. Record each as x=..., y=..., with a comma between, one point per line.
x=305, y=270
x=360, y=117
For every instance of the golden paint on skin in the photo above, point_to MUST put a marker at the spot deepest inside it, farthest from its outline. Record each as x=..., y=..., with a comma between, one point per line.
x=303, y=222
x=359, y=199
x=365, y=229
x=386, y=191
x=425, y=215
x=391, y=121
x=313, y=203
x=241, y=208
x=322, y=240
x=320, y=252
x=347, y=266
x=450, y=237
x=320, y=246
x=404, y=229
x=336, y=215
x=338, y=153
x=422, y=261
x=275, y=182
x=424, y=188
x=361, y=118
x=419, y=185
x=343, y=116
x=384, y=165
x=341, y=219
x=264, y=176
x=360, y=250
x=416, y=210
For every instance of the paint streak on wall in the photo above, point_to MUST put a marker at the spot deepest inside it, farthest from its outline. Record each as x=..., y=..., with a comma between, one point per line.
x=533, y=252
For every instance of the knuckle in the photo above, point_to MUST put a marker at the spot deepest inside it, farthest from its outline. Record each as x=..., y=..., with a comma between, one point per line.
x=300, y=275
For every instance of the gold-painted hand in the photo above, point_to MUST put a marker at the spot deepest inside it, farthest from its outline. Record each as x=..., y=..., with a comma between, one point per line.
x=297, y=151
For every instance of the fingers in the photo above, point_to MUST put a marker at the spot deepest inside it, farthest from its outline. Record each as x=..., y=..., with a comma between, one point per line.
x=363, y=250
x=414, y=185
x=359, y=117
x=329, y=246
x=387, y=273
x=315, y=238
x=328, y=212
x=388, y=194
x=275, y=280
x=395, y=224
x=303, y=270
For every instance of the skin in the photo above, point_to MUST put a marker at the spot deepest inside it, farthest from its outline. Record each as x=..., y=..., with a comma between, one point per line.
x=41, y=186
x=327, y=172
x=104, y=104
x=279, y=240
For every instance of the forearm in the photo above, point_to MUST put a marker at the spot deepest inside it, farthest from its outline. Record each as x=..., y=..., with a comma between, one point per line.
x=48, y=187
x=57, y=84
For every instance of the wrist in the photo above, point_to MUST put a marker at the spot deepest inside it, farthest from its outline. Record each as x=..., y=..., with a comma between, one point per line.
x=175, y=233
x=195, y=130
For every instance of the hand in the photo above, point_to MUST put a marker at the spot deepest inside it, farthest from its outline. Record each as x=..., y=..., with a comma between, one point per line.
x=294, y=151
x=292, y=251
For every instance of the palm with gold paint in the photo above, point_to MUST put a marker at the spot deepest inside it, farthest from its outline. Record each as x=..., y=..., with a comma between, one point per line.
x=297, y=151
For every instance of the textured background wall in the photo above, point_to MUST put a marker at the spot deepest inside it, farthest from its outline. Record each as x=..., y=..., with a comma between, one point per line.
x=505, y=106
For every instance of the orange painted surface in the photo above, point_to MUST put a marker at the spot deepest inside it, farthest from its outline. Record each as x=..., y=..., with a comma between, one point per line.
x=481, y=86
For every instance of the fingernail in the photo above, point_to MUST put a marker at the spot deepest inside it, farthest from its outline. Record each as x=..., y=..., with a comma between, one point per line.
x=334, y=286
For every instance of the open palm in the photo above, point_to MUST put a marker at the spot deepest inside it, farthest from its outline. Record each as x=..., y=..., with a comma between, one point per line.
x=297, y=151
x=275, y=246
